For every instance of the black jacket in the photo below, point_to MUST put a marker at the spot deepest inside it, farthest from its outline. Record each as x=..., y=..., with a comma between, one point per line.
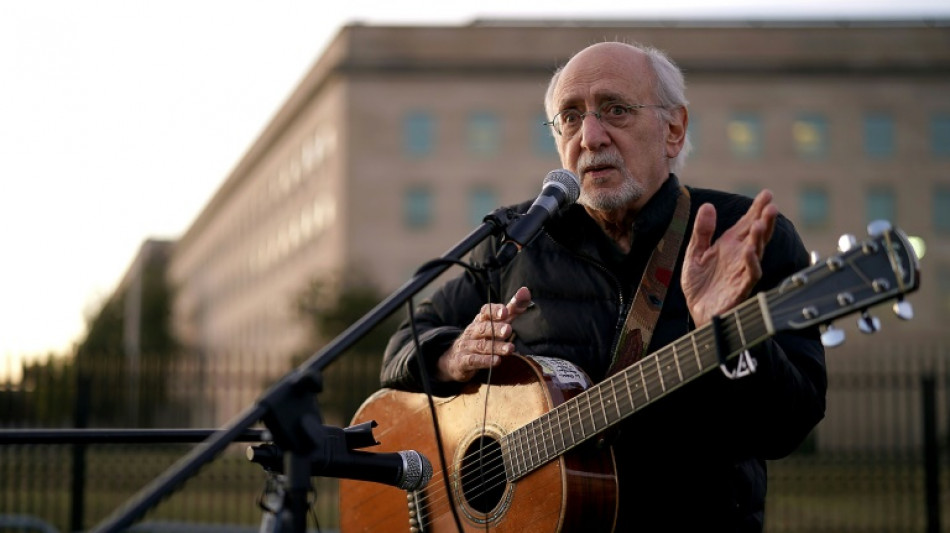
x=695, y=460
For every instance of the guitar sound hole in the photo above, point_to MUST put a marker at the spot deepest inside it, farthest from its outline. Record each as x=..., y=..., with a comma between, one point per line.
x=483, y=474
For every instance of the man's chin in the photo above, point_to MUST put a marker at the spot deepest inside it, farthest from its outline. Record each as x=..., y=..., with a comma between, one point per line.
x=602, y=201
x=608, y=199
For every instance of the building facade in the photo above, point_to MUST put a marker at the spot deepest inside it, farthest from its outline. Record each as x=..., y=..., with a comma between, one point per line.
x=400, y=139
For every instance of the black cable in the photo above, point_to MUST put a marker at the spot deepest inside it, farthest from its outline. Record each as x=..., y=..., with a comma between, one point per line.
x=427, y=386
x=491, y=323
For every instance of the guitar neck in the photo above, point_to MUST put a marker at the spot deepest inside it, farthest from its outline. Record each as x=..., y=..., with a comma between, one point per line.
x=606, y=404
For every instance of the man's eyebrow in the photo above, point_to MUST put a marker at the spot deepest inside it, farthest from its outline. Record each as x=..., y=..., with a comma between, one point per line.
x=600, y=99
x=610, y=97
x=568, y=103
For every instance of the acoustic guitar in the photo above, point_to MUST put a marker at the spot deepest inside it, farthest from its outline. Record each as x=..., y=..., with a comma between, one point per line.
x=525, y=453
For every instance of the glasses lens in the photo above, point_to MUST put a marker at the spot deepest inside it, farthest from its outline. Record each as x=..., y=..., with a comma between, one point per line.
x=569, y=122
x=617, y=115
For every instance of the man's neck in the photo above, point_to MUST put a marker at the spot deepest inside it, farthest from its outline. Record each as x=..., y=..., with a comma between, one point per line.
x=616, y=224
x=620, y=224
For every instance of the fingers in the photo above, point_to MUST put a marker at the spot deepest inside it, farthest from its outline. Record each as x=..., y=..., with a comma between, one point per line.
x=703, y=229
x=480, y=346
x=459, y=365
x=474, y=350
x=487, y=330
x=520, y=302
x=763, y=199
x=770, y=215
x=761, y=219
x=485, y=340
x=762, y=209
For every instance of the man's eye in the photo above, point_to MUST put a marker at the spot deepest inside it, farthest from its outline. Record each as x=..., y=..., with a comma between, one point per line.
x=615, y=110
x=570, y=118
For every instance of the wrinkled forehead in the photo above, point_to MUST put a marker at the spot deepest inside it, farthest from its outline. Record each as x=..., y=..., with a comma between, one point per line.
x=609, y=72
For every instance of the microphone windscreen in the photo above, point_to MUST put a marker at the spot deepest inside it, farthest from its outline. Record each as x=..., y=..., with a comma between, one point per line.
x=566, y=178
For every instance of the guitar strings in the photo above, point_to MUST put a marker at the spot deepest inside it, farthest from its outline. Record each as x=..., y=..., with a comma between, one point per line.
x=654, y=375
x=494, y=481
x=497, y=470
x=489, y=483
x=745, y=314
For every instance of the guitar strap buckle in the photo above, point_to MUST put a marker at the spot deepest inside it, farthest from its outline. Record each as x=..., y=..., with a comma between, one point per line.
x=745, y=366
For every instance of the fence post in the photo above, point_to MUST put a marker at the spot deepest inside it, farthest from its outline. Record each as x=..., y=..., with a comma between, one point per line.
x=931, y=453
x=78, y=485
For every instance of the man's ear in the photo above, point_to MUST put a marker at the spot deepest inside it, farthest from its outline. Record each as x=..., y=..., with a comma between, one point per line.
x=676, y=131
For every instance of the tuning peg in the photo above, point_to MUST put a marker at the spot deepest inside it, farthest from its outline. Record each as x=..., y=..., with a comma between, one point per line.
x=814, y=257
x=832, y=336
x=869, y=323
x=903, y=309
x=878, y=227
x=847, y=242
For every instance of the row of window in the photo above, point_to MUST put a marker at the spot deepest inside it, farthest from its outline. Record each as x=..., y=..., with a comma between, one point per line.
x=482, y=134
x=811, y=139
x=880, y=203
x=814, y=206
x=744, y=133
x=418, y=206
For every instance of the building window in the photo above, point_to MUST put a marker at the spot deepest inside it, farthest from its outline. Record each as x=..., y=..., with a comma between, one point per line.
x=813, y=208
x=418, y=133
x=880, y=204
x=941, y=209
x=544, y=143
x=810, y=133
x=483, y=133
x=744, y=131
x=417, y=207
x=481, y=201
x=940, y=135
x=879, y=135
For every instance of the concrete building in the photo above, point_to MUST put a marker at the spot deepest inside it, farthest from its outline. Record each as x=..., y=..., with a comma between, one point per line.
x=400, y=139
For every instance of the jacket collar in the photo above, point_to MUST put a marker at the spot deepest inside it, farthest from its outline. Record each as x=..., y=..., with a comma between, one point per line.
x=574, y=228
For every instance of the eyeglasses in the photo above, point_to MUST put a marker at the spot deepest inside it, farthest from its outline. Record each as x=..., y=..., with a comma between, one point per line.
x=568, y=122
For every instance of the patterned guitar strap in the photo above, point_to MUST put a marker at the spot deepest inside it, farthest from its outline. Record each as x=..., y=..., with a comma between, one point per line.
x=647, y=303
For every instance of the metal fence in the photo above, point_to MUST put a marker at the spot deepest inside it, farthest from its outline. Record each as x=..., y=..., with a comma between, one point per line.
x=877, y=463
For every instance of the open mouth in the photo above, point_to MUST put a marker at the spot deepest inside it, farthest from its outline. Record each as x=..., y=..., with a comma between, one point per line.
x=596, y=171
x=598, y=164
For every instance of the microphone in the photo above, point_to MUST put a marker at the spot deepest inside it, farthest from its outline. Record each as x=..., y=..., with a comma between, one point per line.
x=560, y=188
x=407, y=470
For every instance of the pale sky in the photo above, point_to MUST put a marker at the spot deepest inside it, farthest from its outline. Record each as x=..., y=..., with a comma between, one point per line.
x=120, y=119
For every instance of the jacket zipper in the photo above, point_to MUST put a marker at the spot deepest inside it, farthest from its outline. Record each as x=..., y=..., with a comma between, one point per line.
x=623, y=302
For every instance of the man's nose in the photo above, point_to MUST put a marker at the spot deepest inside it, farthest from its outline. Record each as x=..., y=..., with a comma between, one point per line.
x=593, y=132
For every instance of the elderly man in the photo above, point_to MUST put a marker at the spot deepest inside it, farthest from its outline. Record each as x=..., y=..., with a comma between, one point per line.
x=694, y=461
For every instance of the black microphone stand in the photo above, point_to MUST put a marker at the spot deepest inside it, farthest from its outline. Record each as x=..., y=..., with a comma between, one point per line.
x=290, y=411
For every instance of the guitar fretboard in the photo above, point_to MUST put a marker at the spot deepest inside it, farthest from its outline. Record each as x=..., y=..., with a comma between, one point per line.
x=619, y=396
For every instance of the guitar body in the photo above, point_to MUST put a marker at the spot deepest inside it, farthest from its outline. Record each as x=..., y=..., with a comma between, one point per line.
x=577, y=491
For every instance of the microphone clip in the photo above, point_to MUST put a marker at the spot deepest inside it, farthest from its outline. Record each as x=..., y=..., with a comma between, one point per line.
x=500, y=219
x=271, y=456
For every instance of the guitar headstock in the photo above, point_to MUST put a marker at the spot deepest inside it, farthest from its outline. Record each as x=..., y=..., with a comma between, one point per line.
x=863, y=274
